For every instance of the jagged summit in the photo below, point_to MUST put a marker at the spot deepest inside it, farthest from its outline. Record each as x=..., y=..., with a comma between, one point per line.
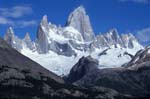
x=44, y=20
x=9, y=35
x=42, y=35
x=80, y=9
x=27, y=37
x=129, y=40
x=28, y=42
x=44, y=23
x=113, y=30
x=114, y=33
x=10, y=30
x=80, y=21
x=113, y=38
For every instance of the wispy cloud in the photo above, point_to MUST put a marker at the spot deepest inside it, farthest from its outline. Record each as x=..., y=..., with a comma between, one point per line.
x=19, y=23
x=5, y=21
x=143, y=35
x=13, y=16
x=23, y=24
x=16, y=11
x=136, y=1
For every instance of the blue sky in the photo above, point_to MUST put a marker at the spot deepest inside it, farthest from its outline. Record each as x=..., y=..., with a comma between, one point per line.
x=125, y=15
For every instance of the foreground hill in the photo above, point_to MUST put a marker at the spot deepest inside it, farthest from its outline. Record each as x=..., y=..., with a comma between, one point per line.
x=131, y=79
x=22, y=78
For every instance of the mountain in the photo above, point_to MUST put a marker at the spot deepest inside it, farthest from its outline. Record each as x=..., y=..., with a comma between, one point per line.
x=79, y=20
x=113, y=38
x=42, y=35
x=29, y=43
x=13, y=40
x=81, y=68
x=141, y=57
x=132, y=79
x=22, y=78
x=56, y=44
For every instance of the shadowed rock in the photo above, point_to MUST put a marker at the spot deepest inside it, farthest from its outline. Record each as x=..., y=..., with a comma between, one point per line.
x=133, y=80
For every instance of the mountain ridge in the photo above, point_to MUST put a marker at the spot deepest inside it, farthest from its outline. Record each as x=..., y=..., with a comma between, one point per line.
x=71, y=42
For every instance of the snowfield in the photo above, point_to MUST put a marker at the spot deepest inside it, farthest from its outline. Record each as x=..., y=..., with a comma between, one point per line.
x=58, y=64
x=61, y=65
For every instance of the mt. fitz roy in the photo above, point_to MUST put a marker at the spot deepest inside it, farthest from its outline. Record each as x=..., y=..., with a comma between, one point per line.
x=59, y=48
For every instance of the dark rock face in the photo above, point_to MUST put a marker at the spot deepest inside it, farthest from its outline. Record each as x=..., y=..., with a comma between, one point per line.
x=83, y=67
x=132, y=81
x=61, y=49
x=21, y=78
x=122, y=80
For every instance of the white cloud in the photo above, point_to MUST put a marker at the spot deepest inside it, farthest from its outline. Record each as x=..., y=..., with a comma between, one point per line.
x=16, y=11
x=11, y=16
x=5, y=21
x=136, y=1
x=144, y=35
x=18, y=24
x=23, y=24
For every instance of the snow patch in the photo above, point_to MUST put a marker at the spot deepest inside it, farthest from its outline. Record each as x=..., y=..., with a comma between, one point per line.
x=58, y=64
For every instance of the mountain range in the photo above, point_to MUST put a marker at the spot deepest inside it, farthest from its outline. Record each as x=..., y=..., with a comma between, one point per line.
x=55, y=44
x=71, y=62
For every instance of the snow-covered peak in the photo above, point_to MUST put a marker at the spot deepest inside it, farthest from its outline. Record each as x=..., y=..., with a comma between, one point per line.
x=130, y=41
x=28, y=43
x=44, y=23
x=114, y=33
x=80, y=9
x=81, y=22
x=10, y=31
x=113, y=38
x=42, y=35
x=13, y=40
x=27, y=37
x=9, y=35
x=44, y=20
x=132, y=37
